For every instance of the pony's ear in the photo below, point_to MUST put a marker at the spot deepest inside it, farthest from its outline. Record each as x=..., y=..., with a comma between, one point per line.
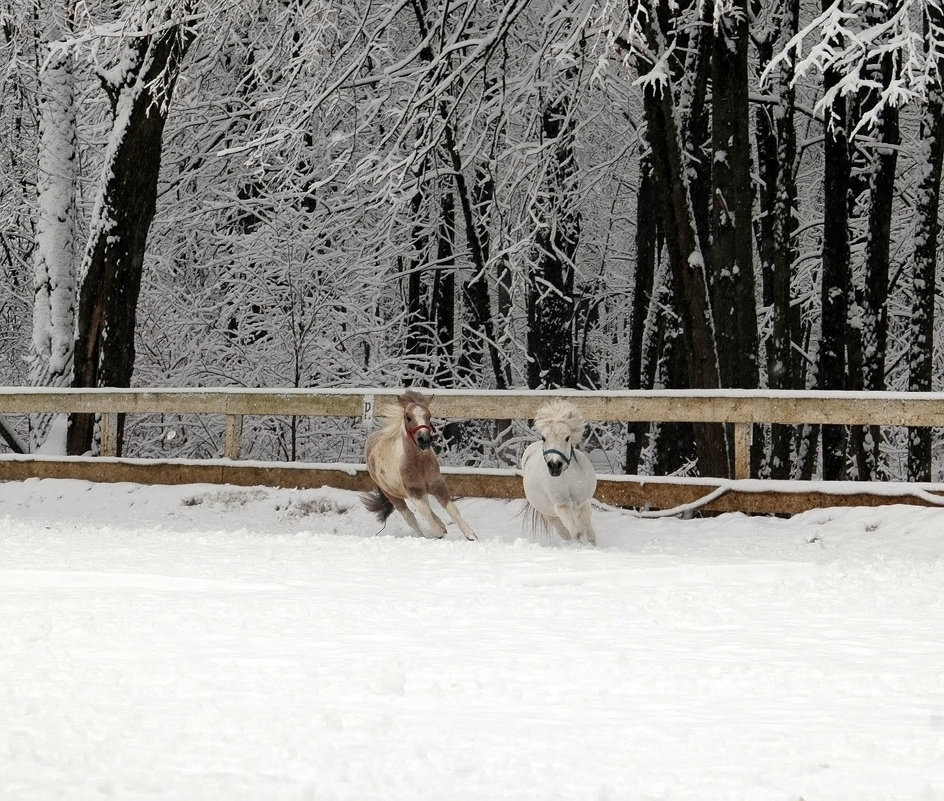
x=412, y=396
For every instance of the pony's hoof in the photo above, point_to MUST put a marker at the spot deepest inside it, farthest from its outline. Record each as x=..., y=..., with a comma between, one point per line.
x=471, y=536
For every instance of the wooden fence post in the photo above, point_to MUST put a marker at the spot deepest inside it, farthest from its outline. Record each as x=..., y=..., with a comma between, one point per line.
x=108, y=427
x=742, y=449
x=233, y=444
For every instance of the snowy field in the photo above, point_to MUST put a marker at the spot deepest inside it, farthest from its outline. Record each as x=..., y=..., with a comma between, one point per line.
x=221, y=643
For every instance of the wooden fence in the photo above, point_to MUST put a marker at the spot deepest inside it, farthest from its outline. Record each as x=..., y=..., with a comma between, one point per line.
x=742, y=409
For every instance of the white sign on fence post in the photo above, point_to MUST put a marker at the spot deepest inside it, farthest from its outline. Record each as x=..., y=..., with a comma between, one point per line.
x=367, y=412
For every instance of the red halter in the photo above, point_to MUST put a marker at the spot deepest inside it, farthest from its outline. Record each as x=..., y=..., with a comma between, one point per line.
x=412, y=432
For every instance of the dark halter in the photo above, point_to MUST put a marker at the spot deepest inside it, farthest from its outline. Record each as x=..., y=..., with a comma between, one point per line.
x=567, y=459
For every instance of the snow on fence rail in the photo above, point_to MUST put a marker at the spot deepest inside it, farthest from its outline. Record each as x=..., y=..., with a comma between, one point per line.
x=740, y=408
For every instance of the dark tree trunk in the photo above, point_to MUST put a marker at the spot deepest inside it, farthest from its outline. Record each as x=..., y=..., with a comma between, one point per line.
x=416, y=339
x=551, y=299
x=924, y=269
x=836, y=279
x=475, y=291
x=697, y=135
x=686, y=263
x=9, y=436
x=883, y=163
x=443, y=300
x=111, y=281
x=483, y=199
x=648, y=247
x=676, y=448
x=731, y=267
x=776, y=245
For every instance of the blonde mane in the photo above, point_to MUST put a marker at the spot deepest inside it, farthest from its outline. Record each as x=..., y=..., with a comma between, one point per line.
x=391, y=413
x=560, y=411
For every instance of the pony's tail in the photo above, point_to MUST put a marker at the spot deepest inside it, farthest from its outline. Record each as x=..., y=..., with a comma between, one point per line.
x=534, y=522
x=378, y=504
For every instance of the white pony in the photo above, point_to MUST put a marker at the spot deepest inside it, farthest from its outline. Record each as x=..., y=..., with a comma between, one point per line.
x=559, y=479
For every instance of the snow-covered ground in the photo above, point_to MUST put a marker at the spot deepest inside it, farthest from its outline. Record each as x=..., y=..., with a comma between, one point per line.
x=221, y=643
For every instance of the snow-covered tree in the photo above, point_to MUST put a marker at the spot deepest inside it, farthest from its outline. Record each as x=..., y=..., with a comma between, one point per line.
x=495, y=193
x=927, y=228
x=54, y=280
x=140, y=82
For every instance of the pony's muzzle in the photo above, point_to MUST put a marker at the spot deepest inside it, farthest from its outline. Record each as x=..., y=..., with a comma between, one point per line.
x=555, y=466
x=424, y=440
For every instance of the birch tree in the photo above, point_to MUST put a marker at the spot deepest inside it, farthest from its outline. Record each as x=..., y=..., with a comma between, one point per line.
x=54, y=280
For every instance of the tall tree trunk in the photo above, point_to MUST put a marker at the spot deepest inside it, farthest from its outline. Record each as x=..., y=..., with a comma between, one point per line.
x=416, y=339
x=443, y=309
x=694, y=120
x=110, y=278
x=924, y=264
x=776, y=244
x=476, y=296
x=551, y=292
x=686, y=258
x=836, y=279
x=483, y=200
x=675, y=449
x=731, y=268
x=648, y=247
x=884, y=162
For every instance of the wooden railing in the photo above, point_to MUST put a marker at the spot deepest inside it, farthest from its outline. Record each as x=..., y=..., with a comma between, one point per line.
x=741, y=409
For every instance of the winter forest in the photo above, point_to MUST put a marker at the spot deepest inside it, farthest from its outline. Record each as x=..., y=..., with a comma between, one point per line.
x=478, y=194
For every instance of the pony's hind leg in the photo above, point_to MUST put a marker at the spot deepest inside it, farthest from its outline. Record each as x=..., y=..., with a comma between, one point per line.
x=586, y=524
x=400, y=505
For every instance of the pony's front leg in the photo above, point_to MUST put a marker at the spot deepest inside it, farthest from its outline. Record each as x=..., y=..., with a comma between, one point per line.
x=569, y=516
x=441, y=493
x=562, y=531
x=439, y=528
x=453, y=512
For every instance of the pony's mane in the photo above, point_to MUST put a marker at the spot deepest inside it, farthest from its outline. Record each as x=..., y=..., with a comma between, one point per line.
x=392, y=413
x=560, y=411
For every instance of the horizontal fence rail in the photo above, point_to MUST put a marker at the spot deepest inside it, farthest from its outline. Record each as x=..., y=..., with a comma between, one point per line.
x=740, y=408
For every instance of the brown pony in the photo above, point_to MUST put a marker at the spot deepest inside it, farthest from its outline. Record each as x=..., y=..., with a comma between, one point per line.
x=403, y=465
